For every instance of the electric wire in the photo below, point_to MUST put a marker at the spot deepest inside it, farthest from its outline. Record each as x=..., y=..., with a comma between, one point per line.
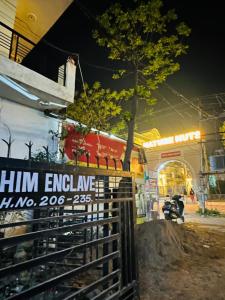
x=91, y=16
x=212, y=96
x=187, y=101
x=99, y=67
x=86, y=11
x=82, y=78
x=169, y=104
x=70, y=53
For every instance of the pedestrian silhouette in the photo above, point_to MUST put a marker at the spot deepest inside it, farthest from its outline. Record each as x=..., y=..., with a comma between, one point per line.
x=192, y=195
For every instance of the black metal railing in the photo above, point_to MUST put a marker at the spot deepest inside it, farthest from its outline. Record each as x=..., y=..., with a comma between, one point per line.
x=47, y=156
x=13, y=44
x=42, y=59
x=63, y=250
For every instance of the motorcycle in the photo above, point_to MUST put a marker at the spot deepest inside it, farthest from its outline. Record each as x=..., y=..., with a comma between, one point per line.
x=173, y=209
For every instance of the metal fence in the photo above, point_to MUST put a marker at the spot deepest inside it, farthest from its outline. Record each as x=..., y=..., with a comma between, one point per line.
x=61, y=243
x=44, y=154
x=13, y=44
x=16, y=47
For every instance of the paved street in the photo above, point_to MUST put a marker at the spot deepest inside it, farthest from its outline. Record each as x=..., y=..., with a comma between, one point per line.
x=210, y=221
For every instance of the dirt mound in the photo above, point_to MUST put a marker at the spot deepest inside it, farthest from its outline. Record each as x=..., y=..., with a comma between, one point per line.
x=180, y=261
x=159, y=244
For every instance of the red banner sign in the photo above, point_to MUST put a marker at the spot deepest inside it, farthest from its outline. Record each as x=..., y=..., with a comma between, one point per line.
x=101, y=146
x=170, y=154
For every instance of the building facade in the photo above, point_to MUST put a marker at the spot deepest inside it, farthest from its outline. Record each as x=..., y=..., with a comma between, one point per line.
x=28, y=98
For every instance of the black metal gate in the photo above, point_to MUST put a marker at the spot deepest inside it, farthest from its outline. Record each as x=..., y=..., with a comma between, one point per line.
x=66, y=232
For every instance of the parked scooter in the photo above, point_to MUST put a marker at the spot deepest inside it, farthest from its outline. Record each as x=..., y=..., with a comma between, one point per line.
x=174, y=209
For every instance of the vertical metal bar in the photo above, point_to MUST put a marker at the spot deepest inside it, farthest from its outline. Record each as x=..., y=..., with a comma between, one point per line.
x=29, y=145
x=133, y=216
x=60, y=224
x=47, y=238
x=129, y=226
x=75, y=157
x=106, y=226
x=87, y=158
x=115, y=166
x=61, y=213
x=91, y=235
x=121, y=164
x=129, y=253
x=97, y=228
x=124, y=245
x=97, y=158
x=9, y=149
x=64, y=75
x=9, y=144
x=47, y=152
x=85, y=238
x=97, y=234
x=35, y=227
x=107, y=162
x=17, y=42
x=11, y=46
x=115, y=229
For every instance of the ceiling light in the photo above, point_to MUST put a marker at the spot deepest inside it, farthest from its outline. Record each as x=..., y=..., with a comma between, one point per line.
x=57, y=104
x=52, y=104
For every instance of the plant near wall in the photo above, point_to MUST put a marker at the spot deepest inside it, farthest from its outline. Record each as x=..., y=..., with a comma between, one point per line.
x=147, y=43
x=43, y=156
x=95, y=107
x=81, y=132
x=209, y=212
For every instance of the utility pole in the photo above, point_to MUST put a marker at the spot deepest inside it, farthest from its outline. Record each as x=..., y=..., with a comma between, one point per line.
x=202, y=165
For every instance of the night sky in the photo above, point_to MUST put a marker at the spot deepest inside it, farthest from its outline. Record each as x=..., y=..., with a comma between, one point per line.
x=202, y=69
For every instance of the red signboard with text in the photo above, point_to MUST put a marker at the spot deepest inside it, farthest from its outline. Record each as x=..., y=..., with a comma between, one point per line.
x=170, y=154
x=99, y=145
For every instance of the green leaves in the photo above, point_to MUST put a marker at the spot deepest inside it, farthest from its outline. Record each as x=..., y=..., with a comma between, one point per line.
x=119, y=74
x=183, y=29
x=135, y=34
x=149, y=42
x=95, y=107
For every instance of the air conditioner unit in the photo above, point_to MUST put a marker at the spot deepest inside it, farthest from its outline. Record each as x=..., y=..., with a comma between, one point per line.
x=217, y=162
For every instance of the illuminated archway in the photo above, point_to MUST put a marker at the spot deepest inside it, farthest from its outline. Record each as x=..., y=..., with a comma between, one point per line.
x=175, y=177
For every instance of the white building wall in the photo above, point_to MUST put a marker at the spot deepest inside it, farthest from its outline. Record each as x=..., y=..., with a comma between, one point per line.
x=25, y=124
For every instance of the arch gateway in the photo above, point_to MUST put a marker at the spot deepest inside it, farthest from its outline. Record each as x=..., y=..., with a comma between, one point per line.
x=175, y=162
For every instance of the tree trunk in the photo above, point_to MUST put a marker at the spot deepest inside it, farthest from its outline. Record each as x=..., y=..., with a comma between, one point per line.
x=130, y=138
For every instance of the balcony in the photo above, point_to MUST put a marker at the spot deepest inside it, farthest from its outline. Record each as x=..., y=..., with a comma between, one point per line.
x=13, y=45
x=29, y=87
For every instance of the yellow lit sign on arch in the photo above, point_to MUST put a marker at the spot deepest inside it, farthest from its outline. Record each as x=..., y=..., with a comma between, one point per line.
x=180, y=138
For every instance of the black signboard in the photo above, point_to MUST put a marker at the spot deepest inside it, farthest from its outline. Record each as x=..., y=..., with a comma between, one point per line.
x=29, y=186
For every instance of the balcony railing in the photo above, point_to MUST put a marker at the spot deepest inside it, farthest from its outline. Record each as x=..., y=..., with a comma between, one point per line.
x=44, y=59
x=13, y=44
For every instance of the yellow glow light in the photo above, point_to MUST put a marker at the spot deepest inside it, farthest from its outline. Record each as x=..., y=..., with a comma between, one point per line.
x=185, y=137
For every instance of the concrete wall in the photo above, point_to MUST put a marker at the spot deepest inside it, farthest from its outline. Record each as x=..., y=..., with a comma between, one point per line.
x=38, y=82
x=190, y=154
x=24, y=124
